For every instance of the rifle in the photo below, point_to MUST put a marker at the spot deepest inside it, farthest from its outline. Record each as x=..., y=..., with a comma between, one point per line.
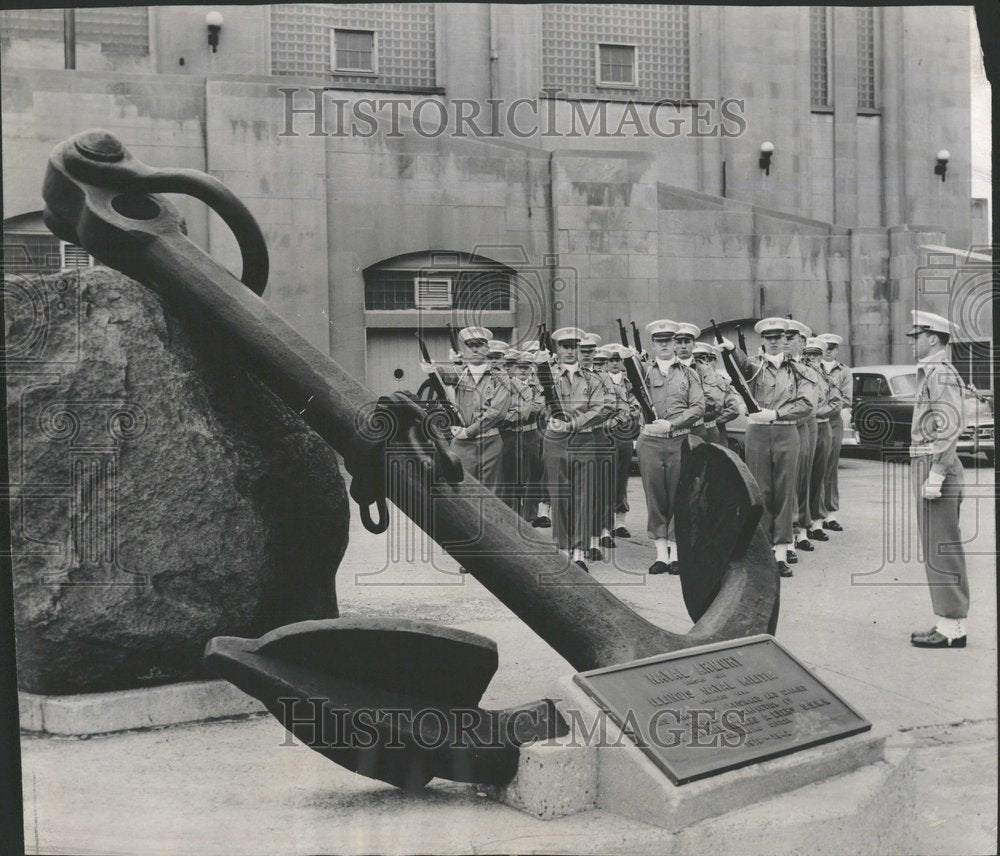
x=622, y=332
x=438, y=385
x=741, y=339
x=739, y=381
x=548, y=383
x=635, y=338
x=453, y=336
x=633, y=371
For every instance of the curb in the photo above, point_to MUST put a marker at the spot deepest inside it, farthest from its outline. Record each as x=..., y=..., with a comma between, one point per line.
x=127, y=710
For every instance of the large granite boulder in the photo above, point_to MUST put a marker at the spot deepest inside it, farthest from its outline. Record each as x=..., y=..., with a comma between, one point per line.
x=160, y=496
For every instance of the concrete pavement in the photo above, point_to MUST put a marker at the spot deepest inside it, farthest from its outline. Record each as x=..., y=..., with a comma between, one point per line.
x=232, y=787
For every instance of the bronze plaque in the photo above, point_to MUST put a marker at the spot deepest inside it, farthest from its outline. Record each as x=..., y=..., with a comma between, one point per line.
x=705, y=710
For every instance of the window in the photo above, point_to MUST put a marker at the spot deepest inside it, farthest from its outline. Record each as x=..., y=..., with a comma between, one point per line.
x=72, y=257
x=974, y=364
x=904, y=384
x=354, y=51
x=616, y=65
x=433, y=293
x=871, y=386
x=866, y=58
x=439, y=281
x=576, y=37
x=123, y=30
x=819, y=55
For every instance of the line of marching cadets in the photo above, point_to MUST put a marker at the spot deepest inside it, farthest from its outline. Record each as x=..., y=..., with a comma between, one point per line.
x=551, y=429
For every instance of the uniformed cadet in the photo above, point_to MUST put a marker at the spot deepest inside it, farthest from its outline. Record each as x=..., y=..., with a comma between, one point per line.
x=526, y=404
x=684, y=350
x=939, y=480
x=772, y=438
x=827, y=408
x=839, y=376
x=507, y=490
x=604, y=449
x=482, y=397
x=678, y=403
x=540, y=511
x=625, y=429
x=495, y=353
x=568, y=448
x=722, y=402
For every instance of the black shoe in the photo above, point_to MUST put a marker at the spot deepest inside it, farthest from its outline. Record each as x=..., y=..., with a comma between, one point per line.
x=622, y=532
x=804, y=545
x=607, y=541
x=658, y=568
x=541, y=522
x=833, y=526
x=818, y=535
x=784, y=570
x=594, y=555
x=673, y=569
x=933, y=639
x=792, y=558
x=582, y=565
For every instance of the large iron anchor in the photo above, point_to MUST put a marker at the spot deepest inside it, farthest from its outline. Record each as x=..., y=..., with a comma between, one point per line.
x=728, y=573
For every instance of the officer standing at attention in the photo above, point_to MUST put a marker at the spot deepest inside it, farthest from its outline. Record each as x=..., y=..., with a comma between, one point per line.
x=568, y=450
x=772, y=438
x=827, y=407
x=938, y=480
x=624, y=428
x=482, y=396
x=679, y=403
x=795, y=340
x=838, y=375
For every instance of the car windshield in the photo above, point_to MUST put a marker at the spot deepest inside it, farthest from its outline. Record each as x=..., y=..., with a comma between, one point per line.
x=904, y=384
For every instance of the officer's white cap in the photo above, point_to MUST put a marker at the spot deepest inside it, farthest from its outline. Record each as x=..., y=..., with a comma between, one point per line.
x=590, y=340
x=568, y=334
x=814, y=344
x=768, y=325
x=799, y=328
x=616, y=350
x=830, y=339
x=928, y=322
x=498, y=346
x=704, y=348
x=475, y=334
x=531, y=347
x=663, y=328
x=687, y=330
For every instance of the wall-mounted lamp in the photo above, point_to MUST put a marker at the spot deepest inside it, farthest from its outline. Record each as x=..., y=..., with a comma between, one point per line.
x=213, y=20
x=766, y=150
x=943, y=157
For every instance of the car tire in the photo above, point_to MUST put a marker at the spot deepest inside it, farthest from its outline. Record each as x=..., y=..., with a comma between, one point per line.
x=990, y=458
x=737, y=447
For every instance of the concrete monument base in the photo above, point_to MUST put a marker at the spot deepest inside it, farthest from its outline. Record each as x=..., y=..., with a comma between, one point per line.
x=566, y=776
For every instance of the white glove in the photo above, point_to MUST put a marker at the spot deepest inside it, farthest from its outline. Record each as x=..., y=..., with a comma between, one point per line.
x=542, y=356
x=932, y=487
x=727, y=345
x=558, y=426
x=659, y=427
x=643, y=355
x=763, y=417
x=454, y=356
x=427, y=368
x=459, y=433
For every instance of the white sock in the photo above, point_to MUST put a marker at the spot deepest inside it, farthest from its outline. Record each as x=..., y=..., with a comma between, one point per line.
x=620, y=518
x=800, y=536
x=951, y=628
x=605, y=533
x=662, y=550
x=830, y=519
x=578, y=555
x=816, y=524
x=543, y=509
x=781, y=552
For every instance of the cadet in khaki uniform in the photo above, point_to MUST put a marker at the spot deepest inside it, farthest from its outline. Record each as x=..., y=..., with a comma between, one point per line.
x=939, y=480
x=827, y=407
x=535, y=490
x=568, y=448
x=482, y=396
x=795, y=340
x=772, y=438
x=679, y=404
x=603, y=448
x=839, y=376
x=684, y=345
x=505, y=361
x=526, y=397
x=732, y=405
x=625, y=426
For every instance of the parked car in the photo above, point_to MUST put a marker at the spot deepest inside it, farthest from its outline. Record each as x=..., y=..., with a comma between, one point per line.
x=883, y=411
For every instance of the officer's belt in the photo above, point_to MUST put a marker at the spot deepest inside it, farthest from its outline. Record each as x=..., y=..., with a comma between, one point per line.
x=710, y=424
x=920, y=451
x=529, y=427
x=822, y=418
x=783, y=422
x=489, y=432
x=679, y=432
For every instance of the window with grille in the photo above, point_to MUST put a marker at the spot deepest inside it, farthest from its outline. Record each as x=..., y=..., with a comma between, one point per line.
x=866, y=57
x=71, y=257
x=394, y=40
x=433, y=293
x=620, y=33
x=354, y=50
x=120, y=30
x=479, y=286
x=819, y=55
x=616, y=65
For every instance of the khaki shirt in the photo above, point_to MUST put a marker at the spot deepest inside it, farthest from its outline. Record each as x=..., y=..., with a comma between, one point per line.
x=483, y=405
x=584, y=396
x=715, y=392
x=827, y=397
x=937, y=413
x=840, y=376
x=677, y=396
x=785, y=390
x=626, y=407
x=732, y=405
x=525, y=403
